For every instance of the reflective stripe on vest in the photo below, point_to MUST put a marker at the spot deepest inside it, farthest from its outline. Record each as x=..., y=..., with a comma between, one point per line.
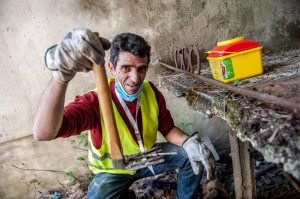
x=99, y=160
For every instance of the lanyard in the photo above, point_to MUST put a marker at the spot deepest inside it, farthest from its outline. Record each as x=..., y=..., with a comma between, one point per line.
x=132, y=120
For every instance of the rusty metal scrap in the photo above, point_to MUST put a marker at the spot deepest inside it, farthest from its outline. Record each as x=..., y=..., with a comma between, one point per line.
x=281, y=102
x=185, y=54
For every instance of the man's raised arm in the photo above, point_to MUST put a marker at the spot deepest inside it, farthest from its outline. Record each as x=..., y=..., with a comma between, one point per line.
x=77, y=51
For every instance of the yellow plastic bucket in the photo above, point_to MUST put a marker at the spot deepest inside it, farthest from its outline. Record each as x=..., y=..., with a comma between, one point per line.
x=235, y=59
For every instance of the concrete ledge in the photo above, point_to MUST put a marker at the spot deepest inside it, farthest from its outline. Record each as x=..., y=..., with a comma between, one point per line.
x=273, y=131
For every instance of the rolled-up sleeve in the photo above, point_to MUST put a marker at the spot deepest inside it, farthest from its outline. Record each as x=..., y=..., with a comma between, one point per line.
x=80, y=115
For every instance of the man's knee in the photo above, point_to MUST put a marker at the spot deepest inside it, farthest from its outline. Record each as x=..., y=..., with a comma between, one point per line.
x=105, y=185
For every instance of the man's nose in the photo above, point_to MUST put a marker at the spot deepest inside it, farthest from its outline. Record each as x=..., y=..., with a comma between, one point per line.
x=134, y=76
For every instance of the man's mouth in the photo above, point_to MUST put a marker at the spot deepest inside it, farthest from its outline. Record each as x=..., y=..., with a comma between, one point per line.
x=132, y=88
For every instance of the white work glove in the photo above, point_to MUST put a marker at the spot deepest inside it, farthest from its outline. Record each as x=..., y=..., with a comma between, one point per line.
x=77, y=52
x=198, y=153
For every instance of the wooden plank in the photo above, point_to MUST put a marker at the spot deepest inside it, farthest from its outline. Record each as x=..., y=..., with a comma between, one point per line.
x=243, y=168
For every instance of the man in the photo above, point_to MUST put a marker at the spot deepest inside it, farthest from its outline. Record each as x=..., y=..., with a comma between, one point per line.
x=139, y=109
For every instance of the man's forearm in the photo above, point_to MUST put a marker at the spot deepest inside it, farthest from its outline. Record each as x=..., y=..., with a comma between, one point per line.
x=49, y=114
x=176, y=136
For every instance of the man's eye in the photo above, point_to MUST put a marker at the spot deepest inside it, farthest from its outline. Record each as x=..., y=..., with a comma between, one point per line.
x=125, y=68
x=142, y=69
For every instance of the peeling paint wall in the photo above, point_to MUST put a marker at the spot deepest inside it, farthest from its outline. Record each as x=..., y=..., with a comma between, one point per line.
x=28, y=28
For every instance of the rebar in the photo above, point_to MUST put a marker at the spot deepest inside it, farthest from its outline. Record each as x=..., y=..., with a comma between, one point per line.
x=282, y=102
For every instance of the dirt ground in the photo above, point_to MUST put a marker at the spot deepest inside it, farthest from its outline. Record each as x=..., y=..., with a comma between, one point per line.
x=271, y=183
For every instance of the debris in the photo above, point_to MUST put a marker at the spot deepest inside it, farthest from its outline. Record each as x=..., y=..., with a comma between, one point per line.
x=55, y=195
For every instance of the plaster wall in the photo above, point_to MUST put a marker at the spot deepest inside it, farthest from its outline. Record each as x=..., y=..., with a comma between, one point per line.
x=273, y=23
x=28, y=28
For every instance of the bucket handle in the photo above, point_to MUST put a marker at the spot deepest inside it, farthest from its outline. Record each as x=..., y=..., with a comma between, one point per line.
x=215, y=51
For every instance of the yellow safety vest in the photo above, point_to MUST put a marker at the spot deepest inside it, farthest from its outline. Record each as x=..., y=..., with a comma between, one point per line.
x=99, y=160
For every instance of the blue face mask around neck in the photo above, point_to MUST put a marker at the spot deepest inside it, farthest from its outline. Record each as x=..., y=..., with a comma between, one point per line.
x=125, y=96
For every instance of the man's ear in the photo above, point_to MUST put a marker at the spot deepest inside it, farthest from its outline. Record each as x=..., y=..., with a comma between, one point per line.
x=111, y=68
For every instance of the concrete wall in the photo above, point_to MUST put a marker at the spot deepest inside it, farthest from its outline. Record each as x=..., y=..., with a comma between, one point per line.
x=27, y=28
x=273, y=23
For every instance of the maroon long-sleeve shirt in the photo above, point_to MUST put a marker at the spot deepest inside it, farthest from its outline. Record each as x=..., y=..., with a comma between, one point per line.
x=83, y=114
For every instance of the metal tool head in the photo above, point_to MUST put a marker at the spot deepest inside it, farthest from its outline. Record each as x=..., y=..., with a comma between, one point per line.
x=146, y=159
x=140, y=164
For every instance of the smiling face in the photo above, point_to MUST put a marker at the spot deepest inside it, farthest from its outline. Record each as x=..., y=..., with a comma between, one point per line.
x=130, y=71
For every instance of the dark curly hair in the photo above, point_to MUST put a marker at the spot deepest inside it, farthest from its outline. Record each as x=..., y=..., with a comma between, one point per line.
x=128, y=42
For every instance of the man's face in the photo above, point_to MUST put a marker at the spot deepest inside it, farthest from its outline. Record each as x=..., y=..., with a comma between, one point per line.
x=130, y=71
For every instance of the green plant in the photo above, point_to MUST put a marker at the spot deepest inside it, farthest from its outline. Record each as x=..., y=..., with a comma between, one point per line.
x=35, y=184
x=71, y=176
x=237, y=83
x=80, y=141
x=83, y=161
x=286, y=184
x=81, y=158
x=85, y=181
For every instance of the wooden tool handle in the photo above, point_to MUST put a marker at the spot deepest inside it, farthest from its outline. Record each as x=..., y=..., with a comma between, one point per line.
x=107, y=112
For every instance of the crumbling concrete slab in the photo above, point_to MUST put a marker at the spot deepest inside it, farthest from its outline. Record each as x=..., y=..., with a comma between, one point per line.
x=272, y=130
